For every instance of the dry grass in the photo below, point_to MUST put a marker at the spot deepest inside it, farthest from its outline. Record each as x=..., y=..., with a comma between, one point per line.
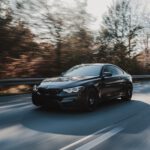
x=18, y=89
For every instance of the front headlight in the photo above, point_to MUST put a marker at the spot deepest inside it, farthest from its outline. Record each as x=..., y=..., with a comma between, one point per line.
x=73, y=90
x=130, y=78
x=35, y=88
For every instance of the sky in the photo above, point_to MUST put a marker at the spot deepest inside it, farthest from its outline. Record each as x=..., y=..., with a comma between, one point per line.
x=95, y=7
x=98, y=7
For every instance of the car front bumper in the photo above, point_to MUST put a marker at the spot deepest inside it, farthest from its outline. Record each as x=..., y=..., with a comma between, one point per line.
x=63, y=100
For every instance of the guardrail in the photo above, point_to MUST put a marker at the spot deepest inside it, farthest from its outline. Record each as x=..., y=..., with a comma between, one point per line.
x=20, y=81
x=136, y=77
x=32, y=81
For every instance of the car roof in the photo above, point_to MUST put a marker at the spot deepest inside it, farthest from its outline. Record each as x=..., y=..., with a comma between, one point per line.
x=101, y=64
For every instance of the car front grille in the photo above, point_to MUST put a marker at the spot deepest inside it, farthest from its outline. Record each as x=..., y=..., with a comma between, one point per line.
x=49, y=91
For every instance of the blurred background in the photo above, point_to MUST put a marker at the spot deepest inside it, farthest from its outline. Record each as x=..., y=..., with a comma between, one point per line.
x=41, y=38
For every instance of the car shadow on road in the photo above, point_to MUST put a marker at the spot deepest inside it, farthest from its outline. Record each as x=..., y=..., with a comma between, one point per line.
x=82, y=123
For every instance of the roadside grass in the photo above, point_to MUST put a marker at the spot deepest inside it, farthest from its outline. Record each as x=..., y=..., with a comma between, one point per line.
x=15, y=90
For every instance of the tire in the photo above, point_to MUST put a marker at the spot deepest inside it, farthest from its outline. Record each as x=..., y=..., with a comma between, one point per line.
x=90, y=101
x=128, y=94
x=34, y=100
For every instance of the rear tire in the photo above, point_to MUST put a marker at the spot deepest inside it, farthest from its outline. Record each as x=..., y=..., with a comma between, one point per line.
x=128, y=94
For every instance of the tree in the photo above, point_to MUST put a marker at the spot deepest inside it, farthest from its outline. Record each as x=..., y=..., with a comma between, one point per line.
x=77, y=48
x=5, y=20
x=17, y=42
x=120, y=26
x=55, y=20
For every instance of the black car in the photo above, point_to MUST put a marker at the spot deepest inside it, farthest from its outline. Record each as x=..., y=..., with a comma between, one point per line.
x=84, y=86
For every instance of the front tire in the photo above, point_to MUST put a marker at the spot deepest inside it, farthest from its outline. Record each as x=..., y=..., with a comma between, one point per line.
x=90, y=101
x=35, y=100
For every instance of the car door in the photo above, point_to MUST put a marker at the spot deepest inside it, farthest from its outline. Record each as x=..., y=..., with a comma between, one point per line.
x=111, y=85
x=118, y=73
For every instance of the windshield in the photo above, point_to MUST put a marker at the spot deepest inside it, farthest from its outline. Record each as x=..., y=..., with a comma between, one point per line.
x=84, y=70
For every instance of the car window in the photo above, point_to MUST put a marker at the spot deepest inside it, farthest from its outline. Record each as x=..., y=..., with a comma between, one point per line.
x=106, y=69
x=113, y=70
x=118, y=71
x=84, y=70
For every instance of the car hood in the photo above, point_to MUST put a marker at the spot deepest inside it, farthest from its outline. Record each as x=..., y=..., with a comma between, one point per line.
x=64, y=82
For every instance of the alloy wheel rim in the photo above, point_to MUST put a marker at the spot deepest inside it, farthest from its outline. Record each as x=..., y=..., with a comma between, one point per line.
x=91, y=101
x=129, y=92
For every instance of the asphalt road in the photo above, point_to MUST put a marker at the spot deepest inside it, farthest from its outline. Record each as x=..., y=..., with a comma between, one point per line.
x=115, y=125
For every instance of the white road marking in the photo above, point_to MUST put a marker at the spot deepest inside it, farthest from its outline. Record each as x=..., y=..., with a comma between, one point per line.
x=100, y=139
x=13, y=105
x=83, y=139
x=16, y=109
x=15, y=101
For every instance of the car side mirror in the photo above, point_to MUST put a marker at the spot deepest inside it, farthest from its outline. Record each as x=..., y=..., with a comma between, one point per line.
x=107, y=74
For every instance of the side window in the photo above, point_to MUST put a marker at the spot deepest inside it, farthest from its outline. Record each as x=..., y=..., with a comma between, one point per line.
x=106, y=69
x=113, y=70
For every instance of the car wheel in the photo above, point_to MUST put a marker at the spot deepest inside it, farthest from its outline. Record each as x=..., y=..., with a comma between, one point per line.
x=34, y=100
x=90, y=101
x=128, y=94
